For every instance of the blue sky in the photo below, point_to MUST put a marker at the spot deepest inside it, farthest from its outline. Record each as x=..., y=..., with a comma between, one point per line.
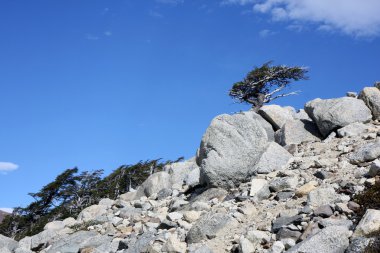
x=99, y=83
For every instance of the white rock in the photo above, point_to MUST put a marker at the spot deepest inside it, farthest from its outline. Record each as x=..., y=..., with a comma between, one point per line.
x=369, y=223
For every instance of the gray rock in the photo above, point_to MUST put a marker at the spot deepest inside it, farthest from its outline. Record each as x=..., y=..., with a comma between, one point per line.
x=259, y=189
x=282, y=183
x=193, y=177
x=230, y=148
x=353, y=129
x=335, y=222
x=285, y=233
x=141, y=243
x=245, y=246
x=359, y=244
x=351, y=94
x=275, y=115
x=332, y=114
x=164, y=193
x=201, y=249
x=265, y=124
x=322, y=196
x=179, y=171
x=8, y=243
x=210, y=194
x=366, y=153
x=284, y=195
x=324, y=211
x=371, y=97
x=154, y=184
x=296, y=132
x=209, y=226
x=283, y=221
x=302, y=115
x=277, y=247
x=332, y=239
x=79, y=240
x=374, y=169
x=129, y=212
x=369, y=224
x=274, y=158
x=92, y=213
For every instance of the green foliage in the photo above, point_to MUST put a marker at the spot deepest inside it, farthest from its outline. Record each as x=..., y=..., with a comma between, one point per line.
x=71, y=192
x=262, y=84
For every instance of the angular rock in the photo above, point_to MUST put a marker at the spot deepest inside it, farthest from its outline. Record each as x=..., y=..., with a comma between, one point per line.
x=180, y=170
x=92, y=213
x=265, y=124
x=259, y=189
x=275, y=115
x=368, y=224
x=8, y=243
x=366, y=153
x=306, y=188
x=230, y=148
x=174, y=245
x=245, y=246
x=296, y=132
x=335, y=222
x=210, y=226
x=282, y=183
x=374, y=169
x=332, y=114
x=371, y=97
x=324, y=211
x=332, y=239
x=283, y=221
x=285, y=233
x=353, y=129
x=359, y=244
x=322, y=196
x=154, y=184
x=274, y=158
x=193, y=178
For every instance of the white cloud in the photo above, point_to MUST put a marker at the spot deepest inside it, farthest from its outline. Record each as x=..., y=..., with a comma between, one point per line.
x=353, y=17
x=7, y=167
x=241, y=2
x=266, y=33
x=91, y=37
x=107, y=33
x=6, y=209
x=155, y=14
x=173, y=2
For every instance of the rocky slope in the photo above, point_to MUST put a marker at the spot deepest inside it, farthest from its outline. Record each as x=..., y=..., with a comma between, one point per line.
x=270, y=182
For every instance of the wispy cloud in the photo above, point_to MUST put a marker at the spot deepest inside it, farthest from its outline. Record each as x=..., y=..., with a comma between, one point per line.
x=155, y=14
x=266, y=33
x=6, y=167
x=351, y=17
x=108, y=33
x=6, y=209
x=172, y=2
x=90, y=36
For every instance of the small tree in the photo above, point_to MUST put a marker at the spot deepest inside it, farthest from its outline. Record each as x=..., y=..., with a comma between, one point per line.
x=263, y=84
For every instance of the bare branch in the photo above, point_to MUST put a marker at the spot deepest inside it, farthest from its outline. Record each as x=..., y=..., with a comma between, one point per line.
x=283, y=95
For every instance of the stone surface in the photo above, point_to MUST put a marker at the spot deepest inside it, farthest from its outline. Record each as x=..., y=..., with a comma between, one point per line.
x=259, y=189
x=283, y=221
x=282, y=183
x=274, y=158
x=179, y=172
x=306, y=188
x=374, y=169
x=332, y=114
x=210, y=226
x=154, y=184
x=324, y=211
x=275, y=115
x=245, y=246
x=8, y=243
x=332, y=239
x=366, y=153
x=265, y=124
x=353, y=129
x=92, y=213
x=230, y=148
x=322, y=196
x=369, y=223
x=174, y=245
x=296, y=132
x=371, y=97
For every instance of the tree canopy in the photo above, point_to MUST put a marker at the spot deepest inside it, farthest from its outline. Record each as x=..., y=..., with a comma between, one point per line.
x=266, y=83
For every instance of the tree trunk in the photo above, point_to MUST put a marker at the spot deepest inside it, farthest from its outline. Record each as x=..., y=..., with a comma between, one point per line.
x=258, y=103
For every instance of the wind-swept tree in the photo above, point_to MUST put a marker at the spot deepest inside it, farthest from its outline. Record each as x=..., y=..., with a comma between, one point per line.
x=266, y=83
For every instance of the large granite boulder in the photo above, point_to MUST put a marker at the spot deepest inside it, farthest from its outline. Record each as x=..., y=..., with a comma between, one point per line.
x=180, y=171
x=154, y=184
x=276, y=115
x=265, y=124
x=274, y=158
x=8, y=243
x=210, y=226
x=297, y=131
x=230, y=149
x=371, y=97
x=332, y=239
x=332, y=114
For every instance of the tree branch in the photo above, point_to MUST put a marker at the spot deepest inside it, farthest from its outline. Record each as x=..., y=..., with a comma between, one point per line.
x=283, y=95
